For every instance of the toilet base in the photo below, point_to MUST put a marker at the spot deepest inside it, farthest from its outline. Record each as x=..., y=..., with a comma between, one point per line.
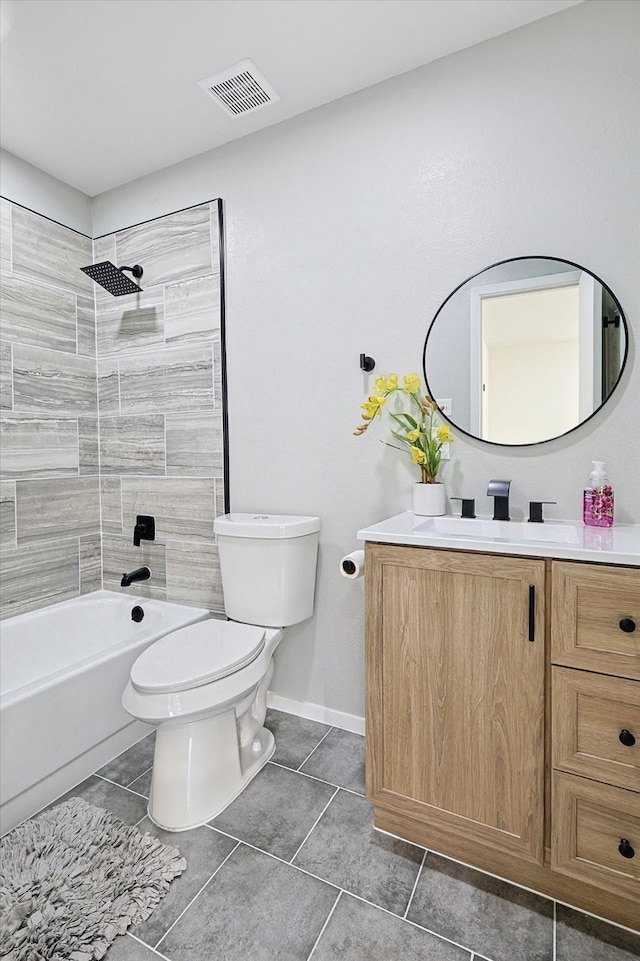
x=199, y=768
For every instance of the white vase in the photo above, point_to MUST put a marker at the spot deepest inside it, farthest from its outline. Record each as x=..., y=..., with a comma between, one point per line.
x=430, y=500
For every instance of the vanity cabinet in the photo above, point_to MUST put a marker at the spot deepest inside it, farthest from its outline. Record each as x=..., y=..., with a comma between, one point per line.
x=499, y=689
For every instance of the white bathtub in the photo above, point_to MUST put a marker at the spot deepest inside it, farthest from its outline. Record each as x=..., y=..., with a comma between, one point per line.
x=62, y=673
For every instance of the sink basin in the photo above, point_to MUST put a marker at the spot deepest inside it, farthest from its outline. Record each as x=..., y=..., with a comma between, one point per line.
x=482, y=528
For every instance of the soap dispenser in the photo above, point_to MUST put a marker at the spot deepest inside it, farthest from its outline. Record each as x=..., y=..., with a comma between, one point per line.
x=597, y=504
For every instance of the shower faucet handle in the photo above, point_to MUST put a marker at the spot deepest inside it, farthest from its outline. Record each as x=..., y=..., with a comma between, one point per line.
x=144, y=530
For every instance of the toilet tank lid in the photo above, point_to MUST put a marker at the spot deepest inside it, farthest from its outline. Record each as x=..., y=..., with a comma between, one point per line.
x=265, y=525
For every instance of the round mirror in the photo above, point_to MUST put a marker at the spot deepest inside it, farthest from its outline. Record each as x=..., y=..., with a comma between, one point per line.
x=525, y=350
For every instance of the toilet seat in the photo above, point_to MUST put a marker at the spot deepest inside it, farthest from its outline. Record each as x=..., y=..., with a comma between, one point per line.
x=196, y=655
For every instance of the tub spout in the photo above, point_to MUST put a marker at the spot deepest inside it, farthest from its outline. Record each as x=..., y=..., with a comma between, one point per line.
x=141, y=574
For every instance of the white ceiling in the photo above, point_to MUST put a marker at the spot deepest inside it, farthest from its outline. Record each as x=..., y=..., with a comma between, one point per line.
x=100, y=92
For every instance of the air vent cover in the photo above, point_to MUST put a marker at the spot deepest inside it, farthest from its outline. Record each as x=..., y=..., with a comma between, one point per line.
x=240, y=89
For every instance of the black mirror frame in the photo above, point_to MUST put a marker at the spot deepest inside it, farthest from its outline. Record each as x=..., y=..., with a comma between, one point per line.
x=510, y=260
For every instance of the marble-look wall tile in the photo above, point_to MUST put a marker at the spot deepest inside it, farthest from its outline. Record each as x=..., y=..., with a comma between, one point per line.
x=90, y=563
x=108, y=387
x=6, y=377
x=132, y=445
x=170, y=248
x=194, y=444
x=46, y=251
x=111, y=503
x=88, y=455
x=54, y=509
x=183, y=507
x=104, y=248
x=37, y=446
x=7, y=514
x=193, y=575
x=86, y=326
x=5, y=234
x=178, y=379
x=217, y=371
x=220, y=507
x=31, y=313
x=50, y=381
x=35, y=576
x=215, y=234
x=192, y=309
x=130, y=323
x=119, y=556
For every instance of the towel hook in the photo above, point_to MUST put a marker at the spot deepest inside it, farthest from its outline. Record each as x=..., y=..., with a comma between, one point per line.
x=367, y=363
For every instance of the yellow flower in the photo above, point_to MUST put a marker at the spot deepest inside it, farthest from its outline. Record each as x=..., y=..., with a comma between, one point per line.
x=372, y=406
x=443, y=433
x=411, y=383
x=417, y=456
x=386, y=385
x=412, y=435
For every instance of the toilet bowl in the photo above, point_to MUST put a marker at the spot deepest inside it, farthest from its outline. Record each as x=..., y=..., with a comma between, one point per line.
x=205, y=686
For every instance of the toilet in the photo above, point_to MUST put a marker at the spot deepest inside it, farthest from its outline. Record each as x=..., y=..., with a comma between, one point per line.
x=205, y=686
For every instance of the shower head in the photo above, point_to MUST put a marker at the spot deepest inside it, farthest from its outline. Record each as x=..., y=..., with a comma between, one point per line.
x=112, y=279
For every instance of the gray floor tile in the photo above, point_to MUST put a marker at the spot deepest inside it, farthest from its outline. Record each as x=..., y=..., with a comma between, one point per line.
x=126, y=948
x=142, y=784
x=127, y=806
x=360, y=932
x=344, y=849
x=491, y=917
x=295, y=737
x=276, y=811
x=131, y=763
x=204, y=850
x=588, y=939
x=339, y=759
x=255, y=907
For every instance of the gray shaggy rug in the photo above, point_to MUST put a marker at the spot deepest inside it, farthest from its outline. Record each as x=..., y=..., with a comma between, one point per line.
x=75, y=878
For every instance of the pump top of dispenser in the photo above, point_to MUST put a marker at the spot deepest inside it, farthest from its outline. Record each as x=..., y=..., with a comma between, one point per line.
x=598, y=473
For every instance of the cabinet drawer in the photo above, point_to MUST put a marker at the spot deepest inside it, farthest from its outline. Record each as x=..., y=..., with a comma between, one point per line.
x=596, y=726
x=592, y=824
x=595, y=619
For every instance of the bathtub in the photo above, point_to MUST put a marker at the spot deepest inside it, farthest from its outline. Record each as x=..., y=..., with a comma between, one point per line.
x=62, y=673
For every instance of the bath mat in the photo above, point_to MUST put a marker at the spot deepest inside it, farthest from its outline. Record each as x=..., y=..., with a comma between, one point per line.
x=73, y=879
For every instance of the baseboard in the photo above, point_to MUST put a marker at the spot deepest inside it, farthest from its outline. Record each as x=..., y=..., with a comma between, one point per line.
x=316, y=712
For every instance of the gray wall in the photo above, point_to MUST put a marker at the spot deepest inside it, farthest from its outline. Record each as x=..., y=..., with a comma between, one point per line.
x=346, y=229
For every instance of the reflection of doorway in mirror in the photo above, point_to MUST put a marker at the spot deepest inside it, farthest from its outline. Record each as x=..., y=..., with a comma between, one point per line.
x=528, y=358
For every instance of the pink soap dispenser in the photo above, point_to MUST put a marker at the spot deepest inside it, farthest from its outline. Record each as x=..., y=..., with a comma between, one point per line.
x=597, y=503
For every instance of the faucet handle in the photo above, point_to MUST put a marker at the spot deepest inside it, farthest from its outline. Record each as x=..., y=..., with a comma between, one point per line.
x=535, y=511
x=468, y=506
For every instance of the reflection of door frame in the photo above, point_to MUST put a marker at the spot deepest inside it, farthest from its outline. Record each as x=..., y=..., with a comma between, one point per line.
x=587, y=333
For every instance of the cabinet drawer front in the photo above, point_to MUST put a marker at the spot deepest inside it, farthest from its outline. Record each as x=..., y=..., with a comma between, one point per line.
x=595, y=619
x=596, y=726
x=592, y=824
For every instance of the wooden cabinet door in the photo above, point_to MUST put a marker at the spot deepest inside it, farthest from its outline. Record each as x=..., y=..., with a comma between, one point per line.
x=455, y=698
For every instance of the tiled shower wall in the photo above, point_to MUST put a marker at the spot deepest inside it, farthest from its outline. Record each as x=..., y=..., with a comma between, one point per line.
x=110, y=407
x=50, y=504
x=160, y=406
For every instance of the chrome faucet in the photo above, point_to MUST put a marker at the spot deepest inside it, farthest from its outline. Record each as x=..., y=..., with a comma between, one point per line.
x=499, y=490
x=140, y=574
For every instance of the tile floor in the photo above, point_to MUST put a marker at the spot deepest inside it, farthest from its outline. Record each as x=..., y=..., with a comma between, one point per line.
x=293, y=871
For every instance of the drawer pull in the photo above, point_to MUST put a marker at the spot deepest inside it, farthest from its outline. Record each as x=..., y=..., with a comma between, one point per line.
x=626, y=737
x=628, y=625
x=625, y=849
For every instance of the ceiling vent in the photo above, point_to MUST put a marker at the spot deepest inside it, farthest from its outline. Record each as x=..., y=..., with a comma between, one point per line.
x=240, y=89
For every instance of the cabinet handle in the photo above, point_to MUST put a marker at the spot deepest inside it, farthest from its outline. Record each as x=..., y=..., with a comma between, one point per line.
x=625, y=849
x=626, y=737
x=532, y=612
x=628, y=625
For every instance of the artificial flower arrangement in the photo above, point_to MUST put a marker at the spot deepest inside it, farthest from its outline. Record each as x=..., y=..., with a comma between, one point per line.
x=421, y=436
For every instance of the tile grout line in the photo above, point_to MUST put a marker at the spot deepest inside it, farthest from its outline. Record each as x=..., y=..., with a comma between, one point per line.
x=315, y=824
x=415, y=885
x=555, y=928
x=197, y=895
x=322, y=930
x=325, y=735
x=320, y=780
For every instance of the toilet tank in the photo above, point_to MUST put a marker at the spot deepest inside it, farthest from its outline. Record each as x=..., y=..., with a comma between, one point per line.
x=268, y=567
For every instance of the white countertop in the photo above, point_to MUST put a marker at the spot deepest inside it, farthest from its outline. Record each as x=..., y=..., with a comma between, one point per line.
x=562, y=539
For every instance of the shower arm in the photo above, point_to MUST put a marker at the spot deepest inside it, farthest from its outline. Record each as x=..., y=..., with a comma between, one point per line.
x=136, y=270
